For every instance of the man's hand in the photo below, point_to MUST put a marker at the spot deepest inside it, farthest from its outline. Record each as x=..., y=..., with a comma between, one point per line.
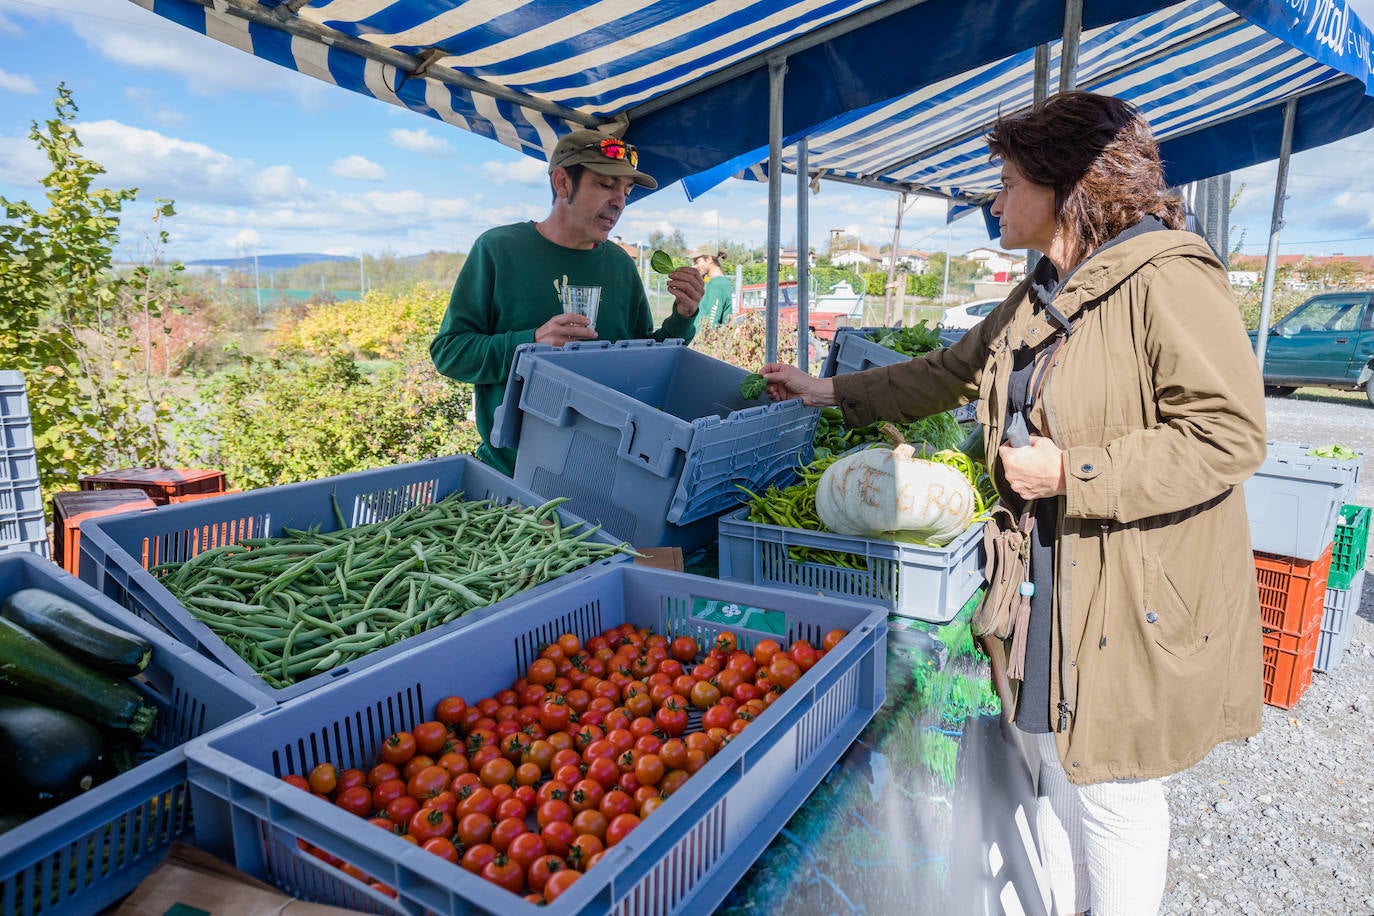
x=564, y=328
x=687, y=287
x=1035, y=470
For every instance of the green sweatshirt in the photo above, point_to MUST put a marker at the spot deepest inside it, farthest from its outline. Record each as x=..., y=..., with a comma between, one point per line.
x=505, y=291
x=717, y=301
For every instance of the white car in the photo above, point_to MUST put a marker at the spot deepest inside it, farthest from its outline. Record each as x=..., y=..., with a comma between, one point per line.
x=963, y=317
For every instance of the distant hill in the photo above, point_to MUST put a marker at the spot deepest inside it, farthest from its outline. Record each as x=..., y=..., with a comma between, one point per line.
x=269, y=261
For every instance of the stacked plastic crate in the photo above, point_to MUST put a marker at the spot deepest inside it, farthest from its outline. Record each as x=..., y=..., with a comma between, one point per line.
x=1294, y=503
x=1344, y=586
x=22, y=526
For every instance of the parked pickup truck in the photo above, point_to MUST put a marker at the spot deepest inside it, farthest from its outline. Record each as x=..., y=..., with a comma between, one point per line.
x=1326, y=342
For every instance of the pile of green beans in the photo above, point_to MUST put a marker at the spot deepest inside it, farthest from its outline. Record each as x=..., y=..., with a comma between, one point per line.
x=304, y=602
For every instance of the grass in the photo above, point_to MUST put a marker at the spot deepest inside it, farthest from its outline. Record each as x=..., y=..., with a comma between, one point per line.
x=1330, y=396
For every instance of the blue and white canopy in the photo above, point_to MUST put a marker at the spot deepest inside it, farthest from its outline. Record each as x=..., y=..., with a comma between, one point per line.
x=896, y=93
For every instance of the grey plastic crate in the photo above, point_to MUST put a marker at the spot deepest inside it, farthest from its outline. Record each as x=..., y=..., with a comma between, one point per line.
x=22, y=523
x=651, y=440
x=1338, y=624
x=1294, y=500
x=910, y=580
x=852, y=351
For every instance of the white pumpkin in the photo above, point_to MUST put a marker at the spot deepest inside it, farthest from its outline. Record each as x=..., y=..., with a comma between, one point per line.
x=882, y=491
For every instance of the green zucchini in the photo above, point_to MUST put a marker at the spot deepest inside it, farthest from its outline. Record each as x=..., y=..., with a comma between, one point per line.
x=46, y=755
x=78, y=632
x=34, y=670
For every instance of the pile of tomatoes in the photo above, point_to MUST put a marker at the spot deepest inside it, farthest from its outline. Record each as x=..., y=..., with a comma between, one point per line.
x=528, y=788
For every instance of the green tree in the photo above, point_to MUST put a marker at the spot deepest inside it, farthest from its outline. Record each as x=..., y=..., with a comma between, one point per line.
x=64, y=321
x=673, y=242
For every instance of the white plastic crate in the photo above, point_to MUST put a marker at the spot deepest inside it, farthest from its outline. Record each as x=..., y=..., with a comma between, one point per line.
x=911, y=580
x=1338, y=624
x=1294, y=500
x=682, y=859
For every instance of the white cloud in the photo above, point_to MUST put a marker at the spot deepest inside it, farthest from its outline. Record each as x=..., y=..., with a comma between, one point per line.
x=359, y=168
x=526, y=171
x=246, y=239
x=150, y=102
x=420, y=141
x=17, y=83
x=21, y=163
x=162, y=166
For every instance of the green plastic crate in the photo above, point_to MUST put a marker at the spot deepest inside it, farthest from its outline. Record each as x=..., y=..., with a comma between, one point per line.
x=1348, y=551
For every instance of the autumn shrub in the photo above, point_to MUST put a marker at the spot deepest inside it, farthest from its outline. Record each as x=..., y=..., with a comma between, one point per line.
x=285, y=419
x=381, y=325
x=742, y=342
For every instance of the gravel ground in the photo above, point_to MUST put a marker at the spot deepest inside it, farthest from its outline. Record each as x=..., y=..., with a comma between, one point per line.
x=1284, y=821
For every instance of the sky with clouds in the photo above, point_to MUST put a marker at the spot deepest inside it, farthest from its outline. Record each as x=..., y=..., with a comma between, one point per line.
x=260, y=159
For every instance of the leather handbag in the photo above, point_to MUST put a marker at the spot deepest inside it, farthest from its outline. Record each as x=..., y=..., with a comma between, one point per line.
x=1004, y=612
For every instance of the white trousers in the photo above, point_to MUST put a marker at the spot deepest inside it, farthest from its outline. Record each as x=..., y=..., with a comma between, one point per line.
x=1104, y=846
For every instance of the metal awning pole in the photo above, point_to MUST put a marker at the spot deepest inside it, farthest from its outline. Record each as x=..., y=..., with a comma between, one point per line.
x=1068, y=52
x=1290, y=114
x=803, y=257
x=777, y=70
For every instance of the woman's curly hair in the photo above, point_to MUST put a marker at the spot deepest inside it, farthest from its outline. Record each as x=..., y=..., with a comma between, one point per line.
x=1099, y=156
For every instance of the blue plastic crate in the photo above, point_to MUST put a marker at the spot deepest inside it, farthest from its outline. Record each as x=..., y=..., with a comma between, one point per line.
x=651, y=440
x=852, y=351
x=682, y=859
x=116, y=552
x=1338, y=624
x=910, y=580
x=1294, y=500
x=86, y=853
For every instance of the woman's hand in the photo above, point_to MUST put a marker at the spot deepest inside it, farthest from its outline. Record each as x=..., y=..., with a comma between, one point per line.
x=1034, y=471
x=786, y=381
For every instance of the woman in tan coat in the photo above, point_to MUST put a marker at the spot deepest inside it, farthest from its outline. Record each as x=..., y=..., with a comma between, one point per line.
x=1124, y=359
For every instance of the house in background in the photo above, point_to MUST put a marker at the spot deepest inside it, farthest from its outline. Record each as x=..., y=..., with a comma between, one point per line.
x=908, y=259
x=1001, y=266
x=1306, y=271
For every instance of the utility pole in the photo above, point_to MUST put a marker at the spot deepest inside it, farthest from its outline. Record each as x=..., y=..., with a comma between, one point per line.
x=892, y=262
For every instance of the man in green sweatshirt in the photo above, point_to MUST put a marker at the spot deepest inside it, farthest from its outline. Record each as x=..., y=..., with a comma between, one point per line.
x=508, y=290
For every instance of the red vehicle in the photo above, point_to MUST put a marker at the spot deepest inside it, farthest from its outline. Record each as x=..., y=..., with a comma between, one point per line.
x=824, y=314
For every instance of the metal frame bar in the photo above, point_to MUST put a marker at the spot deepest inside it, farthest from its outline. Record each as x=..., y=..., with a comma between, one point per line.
x=405, y=63
x=803, y=257
x=1290, y=116
x=777, y=76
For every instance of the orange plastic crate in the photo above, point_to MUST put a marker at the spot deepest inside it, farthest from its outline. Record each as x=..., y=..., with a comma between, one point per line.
x=1292, y=592
x=161, y=484
x=71, y=507
x=1288, y=662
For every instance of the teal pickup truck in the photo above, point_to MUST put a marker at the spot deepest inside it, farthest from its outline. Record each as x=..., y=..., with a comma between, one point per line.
x=1327, y=342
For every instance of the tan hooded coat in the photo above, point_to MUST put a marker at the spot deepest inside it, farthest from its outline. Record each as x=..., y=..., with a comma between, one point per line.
x=1157, y=402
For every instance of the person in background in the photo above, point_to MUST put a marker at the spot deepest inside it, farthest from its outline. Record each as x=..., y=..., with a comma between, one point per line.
x=507, y=292
x=1124, y=358
x=719, y=298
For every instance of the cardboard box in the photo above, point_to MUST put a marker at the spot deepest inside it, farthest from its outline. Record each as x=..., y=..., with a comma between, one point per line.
x=191, y=881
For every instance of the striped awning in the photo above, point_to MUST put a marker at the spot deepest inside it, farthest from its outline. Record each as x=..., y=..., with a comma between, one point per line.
x=894, y=94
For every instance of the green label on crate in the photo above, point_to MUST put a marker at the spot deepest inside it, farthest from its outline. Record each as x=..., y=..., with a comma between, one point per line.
x=729, y=614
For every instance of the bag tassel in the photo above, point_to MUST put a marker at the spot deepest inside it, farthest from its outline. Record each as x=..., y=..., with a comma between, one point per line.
x=1016, y=659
